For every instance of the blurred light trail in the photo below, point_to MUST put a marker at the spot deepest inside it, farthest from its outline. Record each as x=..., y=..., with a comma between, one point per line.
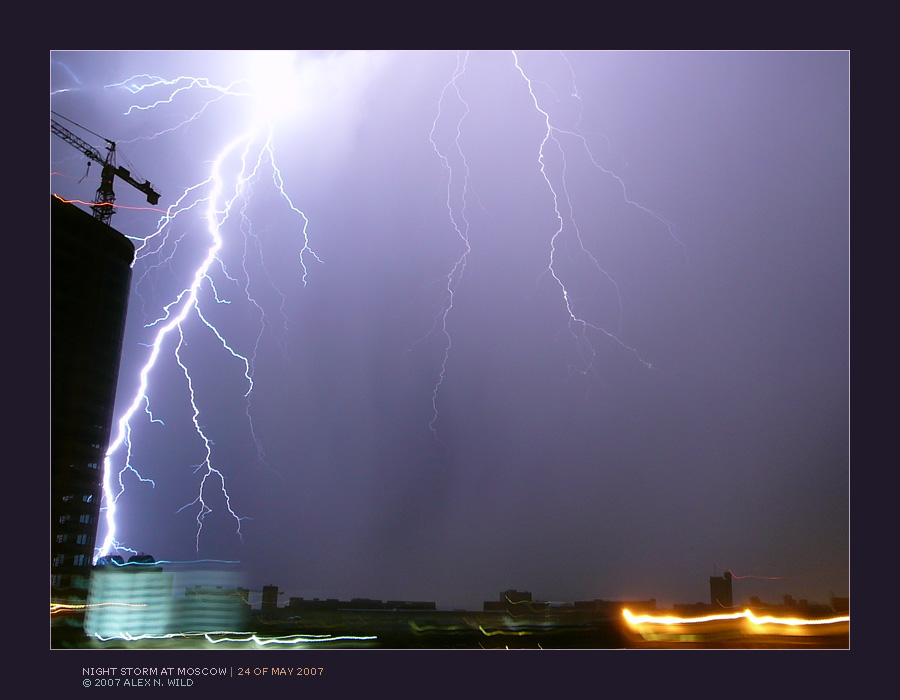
x=509, y=633
x=243, y=638
x=108, y=204
x=56, y=608
x=742, y=628
x=159, y=562
x=292, y=639
x=769, y=578
x=748, y=615
x=785, y=578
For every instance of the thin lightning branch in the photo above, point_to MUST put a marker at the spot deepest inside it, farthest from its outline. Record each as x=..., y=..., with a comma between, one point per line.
x=461, y=227
x=138, y=83
x=577, y=324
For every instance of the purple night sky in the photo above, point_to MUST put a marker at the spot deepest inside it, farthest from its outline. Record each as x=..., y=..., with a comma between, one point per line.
x=575, y=323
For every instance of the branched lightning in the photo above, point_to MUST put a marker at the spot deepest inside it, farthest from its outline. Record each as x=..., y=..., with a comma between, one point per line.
x=459, y=222
x=578, y=326
x=221, y=199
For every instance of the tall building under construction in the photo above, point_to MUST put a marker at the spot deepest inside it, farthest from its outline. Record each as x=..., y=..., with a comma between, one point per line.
x=90, y=276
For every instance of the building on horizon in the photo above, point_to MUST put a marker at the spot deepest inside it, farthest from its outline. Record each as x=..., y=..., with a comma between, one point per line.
x=208, y=608
x=269, y=605
x=514, y=602
x=840, y=604
x=298, y=606
x=139, y=597
x=90, y=277
x=720, y=595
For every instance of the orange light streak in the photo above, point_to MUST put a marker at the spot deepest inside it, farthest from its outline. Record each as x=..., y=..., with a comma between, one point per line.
x=56, y=608
x=107, y=204
x=636, y=620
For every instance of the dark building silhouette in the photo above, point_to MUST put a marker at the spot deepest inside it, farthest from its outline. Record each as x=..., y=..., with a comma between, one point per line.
x=90, y=275
x=720, y=591
x=269, y=606
x=840, y=605
x=298, y=605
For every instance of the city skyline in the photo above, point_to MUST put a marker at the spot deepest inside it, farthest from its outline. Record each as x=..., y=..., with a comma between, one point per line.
x=144, y=603
x=723, y=590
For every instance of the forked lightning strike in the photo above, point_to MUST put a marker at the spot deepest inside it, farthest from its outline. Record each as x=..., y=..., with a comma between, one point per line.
x=220, y=198
x=456, y=201
x=578, y=325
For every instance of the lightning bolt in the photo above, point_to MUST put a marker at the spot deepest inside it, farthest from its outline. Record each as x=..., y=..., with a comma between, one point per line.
x=577, y=323
x=567, y=235
x=457, y=189
x=221, y=201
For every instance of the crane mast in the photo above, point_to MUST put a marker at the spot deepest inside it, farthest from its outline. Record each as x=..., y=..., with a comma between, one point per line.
x=105, y=198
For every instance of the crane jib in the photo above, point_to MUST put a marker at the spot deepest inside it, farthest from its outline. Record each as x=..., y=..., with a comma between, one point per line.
x=105, y=196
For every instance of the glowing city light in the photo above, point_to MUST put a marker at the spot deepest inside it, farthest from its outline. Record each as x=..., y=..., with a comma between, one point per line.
x=746, y=614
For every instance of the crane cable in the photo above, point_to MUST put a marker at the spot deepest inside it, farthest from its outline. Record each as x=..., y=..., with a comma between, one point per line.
x=80, y=126
x=122, y=156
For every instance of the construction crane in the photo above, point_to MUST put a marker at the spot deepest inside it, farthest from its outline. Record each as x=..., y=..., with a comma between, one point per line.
x=103, y=202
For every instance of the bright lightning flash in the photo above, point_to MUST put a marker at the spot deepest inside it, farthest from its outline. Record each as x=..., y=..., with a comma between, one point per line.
x=279, y=88
x=276, y=91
